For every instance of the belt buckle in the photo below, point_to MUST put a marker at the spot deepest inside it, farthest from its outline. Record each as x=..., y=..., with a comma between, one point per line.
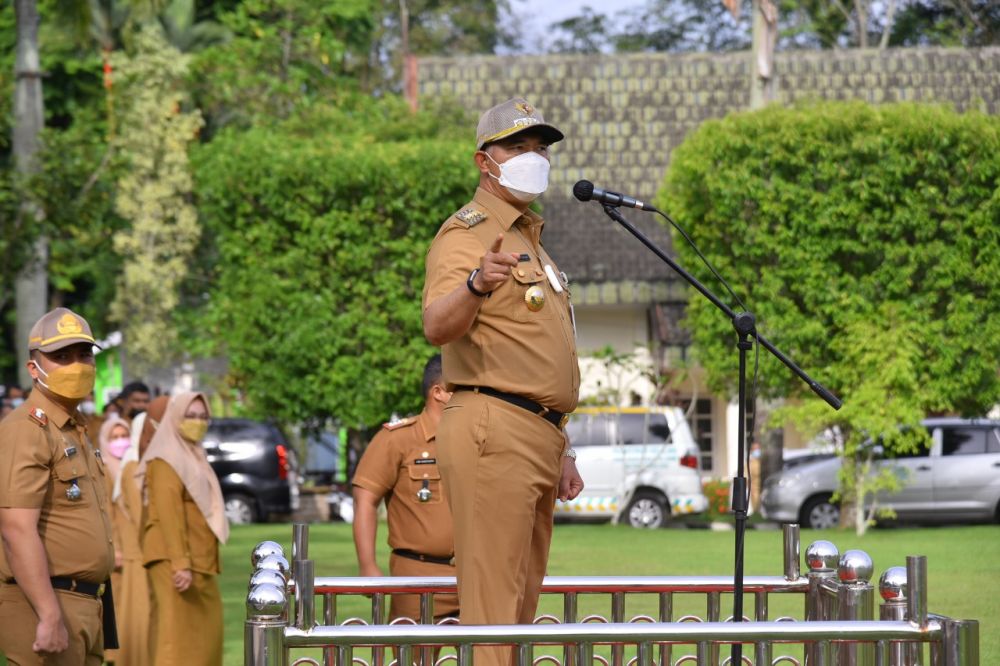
x=100, y=589
x=72, y=584
x=563, y=421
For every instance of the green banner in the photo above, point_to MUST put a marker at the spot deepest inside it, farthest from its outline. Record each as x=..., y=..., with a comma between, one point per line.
x=108, y=383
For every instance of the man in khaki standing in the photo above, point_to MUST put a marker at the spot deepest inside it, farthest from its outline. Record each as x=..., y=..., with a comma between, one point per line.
x=499, y=307
x=54, y=521
x=400, y=465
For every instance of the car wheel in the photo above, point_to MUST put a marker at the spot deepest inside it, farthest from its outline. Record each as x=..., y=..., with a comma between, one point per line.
x=647, y=509
x=819, y=513
x=240, y=509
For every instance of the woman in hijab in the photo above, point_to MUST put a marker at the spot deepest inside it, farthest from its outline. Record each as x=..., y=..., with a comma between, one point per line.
x=131, y=589
x=183, y=524
x=114, y=440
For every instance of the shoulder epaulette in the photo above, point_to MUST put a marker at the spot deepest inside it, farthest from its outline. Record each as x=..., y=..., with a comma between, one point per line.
x=471, y=216
x=402, y=423
x=38, y=416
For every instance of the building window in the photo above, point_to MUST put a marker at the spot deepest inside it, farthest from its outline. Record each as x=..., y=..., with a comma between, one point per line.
x=701, y=430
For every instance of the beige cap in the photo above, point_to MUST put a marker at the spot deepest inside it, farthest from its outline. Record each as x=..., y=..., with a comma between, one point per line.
x=513, y=116
x=57, y=329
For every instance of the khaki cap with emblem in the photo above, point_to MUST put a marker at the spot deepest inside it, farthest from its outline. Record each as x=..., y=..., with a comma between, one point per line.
x=510, y=117
x=57, y=329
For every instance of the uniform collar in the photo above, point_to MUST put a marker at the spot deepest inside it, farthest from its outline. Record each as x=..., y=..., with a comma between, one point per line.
x=424, y=421
x=56, y=413
x=503, y=212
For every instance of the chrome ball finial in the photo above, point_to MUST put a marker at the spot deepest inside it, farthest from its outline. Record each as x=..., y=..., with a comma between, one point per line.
x=855, y=567
x=267, y=577
x=275, y=563
x=266, y=601
x=263, y=549
x=822, y=556
x=892, y=584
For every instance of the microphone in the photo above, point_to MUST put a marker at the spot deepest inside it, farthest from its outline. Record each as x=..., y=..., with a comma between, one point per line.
x=584, y=190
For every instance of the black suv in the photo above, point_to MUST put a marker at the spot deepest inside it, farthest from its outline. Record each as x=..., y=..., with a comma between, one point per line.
x=256, y=468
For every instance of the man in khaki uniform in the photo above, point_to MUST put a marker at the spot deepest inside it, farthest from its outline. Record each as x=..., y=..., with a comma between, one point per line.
x=54, y=521
x=500, y=308
x=400, y=465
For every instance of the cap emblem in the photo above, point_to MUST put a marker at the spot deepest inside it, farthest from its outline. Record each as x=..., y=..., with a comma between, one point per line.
x=524, y=108
x=68, y=325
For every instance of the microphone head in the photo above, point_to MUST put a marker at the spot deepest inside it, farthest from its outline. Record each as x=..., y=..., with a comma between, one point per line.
x=583, y=190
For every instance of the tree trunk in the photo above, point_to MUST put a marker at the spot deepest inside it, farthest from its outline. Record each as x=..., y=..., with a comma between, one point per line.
x=861, y=7
x=29, y=116
x=764, y=34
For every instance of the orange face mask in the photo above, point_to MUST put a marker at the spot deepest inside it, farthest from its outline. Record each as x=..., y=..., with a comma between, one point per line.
x=73, y=382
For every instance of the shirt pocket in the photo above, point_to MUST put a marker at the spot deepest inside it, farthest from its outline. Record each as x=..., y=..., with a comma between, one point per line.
x=530, y=298
x=69, y=474
x=425, y=475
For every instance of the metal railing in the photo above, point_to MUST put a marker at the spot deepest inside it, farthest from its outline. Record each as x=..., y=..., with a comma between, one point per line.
x=839, y=626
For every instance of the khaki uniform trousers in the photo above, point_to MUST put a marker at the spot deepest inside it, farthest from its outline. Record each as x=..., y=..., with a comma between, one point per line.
x=408, y=605
x=81, y=613
x=186, y=627
x=501, y=466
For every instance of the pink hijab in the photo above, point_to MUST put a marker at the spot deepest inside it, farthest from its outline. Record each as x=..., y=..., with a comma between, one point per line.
x=189, y=462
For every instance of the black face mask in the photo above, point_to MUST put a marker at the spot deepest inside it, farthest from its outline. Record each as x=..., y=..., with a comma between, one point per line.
x=134, y=413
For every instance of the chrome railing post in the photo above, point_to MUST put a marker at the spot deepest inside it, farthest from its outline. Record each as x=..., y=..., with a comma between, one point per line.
x=856, y=601
x=916, y=600
x=617, y=617
x=427, y=617
x=790, y=550
x=961, y=642
x=916, y=578
x=304, y=575
x=893, y=590
x=378, y=617
x=570, y=613
x=822, y=558
x=329, y=619
x=666, y=615
x=713, y=649
x=762, y=649
x=267, y=608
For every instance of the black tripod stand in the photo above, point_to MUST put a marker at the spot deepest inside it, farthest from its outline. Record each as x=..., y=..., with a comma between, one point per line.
x=746, y=327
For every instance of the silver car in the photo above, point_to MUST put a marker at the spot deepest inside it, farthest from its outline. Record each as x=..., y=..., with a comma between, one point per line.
x=957, y=479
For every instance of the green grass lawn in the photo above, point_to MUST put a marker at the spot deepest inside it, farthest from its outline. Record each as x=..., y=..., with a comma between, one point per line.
x=963, y=567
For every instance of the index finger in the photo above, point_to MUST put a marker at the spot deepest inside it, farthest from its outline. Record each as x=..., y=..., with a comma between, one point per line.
x=497, y=243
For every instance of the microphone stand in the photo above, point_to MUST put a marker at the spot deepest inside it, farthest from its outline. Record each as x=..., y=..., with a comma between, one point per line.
x=746, y=327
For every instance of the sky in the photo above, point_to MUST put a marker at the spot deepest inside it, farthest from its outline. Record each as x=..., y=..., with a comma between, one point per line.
x=539, y=14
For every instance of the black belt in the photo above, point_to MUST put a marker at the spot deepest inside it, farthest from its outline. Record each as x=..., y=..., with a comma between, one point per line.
x=558, y=419
x=420, y=557
x=72, y=585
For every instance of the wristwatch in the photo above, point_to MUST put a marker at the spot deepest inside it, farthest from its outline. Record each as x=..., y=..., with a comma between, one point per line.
x=472, y=287
x=570, y=453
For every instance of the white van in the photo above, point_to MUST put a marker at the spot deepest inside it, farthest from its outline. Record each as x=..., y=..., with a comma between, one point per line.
x=639, y=464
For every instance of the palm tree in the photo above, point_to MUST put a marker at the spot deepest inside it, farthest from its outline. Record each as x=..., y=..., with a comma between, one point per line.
x=31, y=285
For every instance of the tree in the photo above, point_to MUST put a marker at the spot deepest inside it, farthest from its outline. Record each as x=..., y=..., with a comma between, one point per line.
x=29, y=118
x=153, y=194
x=684, y=25
x=283, y=56
x=847, y=225
x=318, y=240
x=586, y=33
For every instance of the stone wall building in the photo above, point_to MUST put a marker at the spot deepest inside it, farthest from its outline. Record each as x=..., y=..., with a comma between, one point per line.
x=623, y=115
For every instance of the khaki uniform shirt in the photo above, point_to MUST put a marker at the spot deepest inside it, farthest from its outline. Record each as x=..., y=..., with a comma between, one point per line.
x=400, y=459
x=44, y=452
x=173, y=527
x=509, y=346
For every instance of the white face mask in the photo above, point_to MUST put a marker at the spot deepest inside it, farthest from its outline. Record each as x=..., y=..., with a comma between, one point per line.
x=525, y=176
